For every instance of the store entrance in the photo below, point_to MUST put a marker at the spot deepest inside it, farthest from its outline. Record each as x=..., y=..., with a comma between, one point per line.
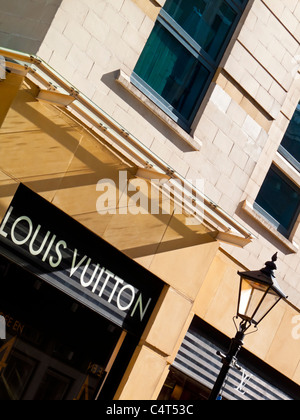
x=55, y=348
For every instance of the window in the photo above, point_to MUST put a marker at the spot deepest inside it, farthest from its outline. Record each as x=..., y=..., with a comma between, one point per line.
x=290, y=146
x=180, y=387
x=183, y=52
x=279, y=201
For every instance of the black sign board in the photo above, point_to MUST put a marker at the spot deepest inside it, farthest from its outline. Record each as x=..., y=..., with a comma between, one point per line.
x=56, y=248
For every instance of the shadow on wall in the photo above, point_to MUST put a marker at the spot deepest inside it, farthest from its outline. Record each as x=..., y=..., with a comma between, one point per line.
x=24, y=24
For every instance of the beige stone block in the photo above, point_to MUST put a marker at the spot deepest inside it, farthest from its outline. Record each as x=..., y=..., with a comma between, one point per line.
x=206, y=129
x=41, y=157
x=223, y=142
x=8, y=187
x=237, y=113
x=183, y=258
x=263, y=56
x=245, y=58
x=90, y=163
x=134, y=13
x=75, y=10
x=140, y=220
x=146, y=27
x=234, y=68
x=278, y=93
x=277, y=6
x=44, y=185
x=263, y=78
x=62, y=66
x=62, y=18
x=178, y=164
x=248, y=38
x=27, y=114
x=77, y=193
x=226, y=186
x=36, y=140
x=133, y=39
x=235, y=92
x=284, y=353
x=297, y=11
x=239, y=157
x=249, y=84
x=116, y=21
x=220, y=98
x=251, y=20
x=8, y=90
x=4, y=176
x=81, y=62
x=217, y=166
x=77, y=34
x=296, y=377
x=289, y=20
x=95, y=222
x=221, y=120
x=265, y=99
x=45, y=52
x=55, y=40
x=146, y=371
x=144, y=261
x=251, y=128
x=221, y=288
x=97, y=27
x=162, y=332
x=138, y=235
x=261, y=11
x=228, y=203
x=261, y=342
x=210, y=287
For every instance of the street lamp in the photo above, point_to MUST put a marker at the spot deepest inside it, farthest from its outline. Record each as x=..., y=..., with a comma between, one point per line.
x=259, y=293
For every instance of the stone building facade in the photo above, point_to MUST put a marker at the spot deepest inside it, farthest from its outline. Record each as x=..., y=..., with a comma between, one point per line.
x=236, y=137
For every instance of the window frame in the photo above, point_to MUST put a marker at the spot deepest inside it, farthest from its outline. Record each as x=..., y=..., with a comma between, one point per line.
x=280, y=228
x=284, y=152
x=173, y=28
x=289, y=157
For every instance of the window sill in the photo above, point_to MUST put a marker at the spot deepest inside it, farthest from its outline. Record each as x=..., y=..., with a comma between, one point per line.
x=292, y=246
x=124, y=80
x=160, y=3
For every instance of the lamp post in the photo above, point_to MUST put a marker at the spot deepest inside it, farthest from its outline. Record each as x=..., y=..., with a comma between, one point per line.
x=259, y=293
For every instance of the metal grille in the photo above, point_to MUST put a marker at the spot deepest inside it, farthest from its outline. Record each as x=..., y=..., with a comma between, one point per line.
x=197, y=359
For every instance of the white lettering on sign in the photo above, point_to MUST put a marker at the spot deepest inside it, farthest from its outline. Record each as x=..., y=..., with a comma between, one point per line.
x=29, y=224
x=49, y=249
x=2, y=227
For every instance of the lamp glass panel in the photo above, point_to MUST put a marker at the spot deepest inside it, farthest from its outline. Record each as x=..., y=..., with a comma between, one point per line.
x=250, y=298
x=256, y=300
x=270, y=300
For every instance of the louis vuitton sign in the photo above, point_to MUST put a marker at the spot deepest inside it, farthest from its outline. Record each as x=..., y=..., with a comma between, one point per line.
x=53, y=246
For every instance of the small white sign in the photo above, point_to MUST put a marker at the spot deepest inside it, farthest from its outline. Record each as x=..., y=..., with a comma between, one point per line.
x=246, y=378
x=2, y=328
x=2, y=68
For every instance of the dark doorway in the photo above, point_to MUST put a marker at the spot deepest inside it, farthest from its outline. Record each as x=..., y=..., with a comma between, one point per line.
x=55, y=348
